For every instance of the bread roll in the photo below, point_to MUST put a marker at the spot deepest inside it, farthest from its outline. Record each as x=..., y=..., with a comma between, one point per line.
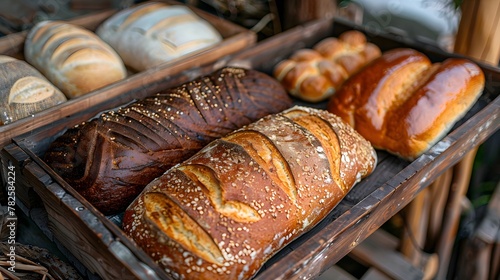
x=74, y=59
x=110, y=159
x=404, y=103
x=229, y=208
x=150, y=34
x=314, y=75
x=24, y=91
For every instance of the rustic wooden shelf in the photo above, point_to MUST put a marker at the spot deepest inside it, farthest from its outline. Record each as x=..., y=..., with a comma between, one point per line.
x=105, y=250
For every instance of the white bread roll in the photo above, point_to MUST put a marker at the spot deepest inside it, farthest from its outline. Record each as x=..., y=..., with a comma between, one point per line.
x=153, y=33
x=73, y=58
x=24, y=91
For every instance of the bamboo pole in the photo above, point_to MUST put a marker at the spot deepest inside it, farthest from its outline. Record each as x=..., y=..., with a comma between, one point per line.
x=416, y=217
x=478, y=35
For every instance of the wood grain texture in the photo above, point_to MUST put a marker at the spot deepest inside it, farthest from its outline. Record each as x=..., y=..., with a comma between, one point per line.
x=478, y=35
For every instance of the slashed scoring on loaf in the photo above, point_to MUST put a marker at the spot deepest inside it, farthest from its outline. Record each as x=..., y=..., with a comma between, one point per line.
x=249, y=193
x=111, y=158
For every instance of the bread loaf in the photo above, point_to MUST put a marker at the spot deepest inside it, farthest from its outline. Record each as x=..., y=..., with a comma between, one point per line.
x=73, y=58
x=150, y=34
x=404, y=103
x=110, y=159
x=225, y=211
x=24, y=91
x=315, y=74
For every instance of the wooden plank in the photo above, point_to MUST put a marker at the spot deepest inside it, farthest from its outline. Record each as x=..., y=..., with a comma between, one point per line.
x=335, y=273
x=458, y=190
x=394, y=264
x=13, y=156
x=87, y=238
x=374, y=274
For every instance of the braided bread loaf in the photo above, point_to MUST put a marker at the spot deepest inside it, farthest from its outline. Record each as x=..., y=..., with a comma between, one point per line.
x=73, y=58
x=229, y=208
x=404, y=103
x=110, y=159
x=315, y=74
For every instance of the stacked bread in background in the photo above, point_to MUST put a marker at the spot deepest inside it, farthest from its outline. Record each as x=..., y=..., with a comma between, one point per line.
x=78, y=61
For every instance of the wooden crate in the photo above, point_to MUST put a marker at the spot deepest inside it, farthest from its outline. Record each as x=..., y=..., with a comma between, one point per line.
x=136, y=85
x=107, y=251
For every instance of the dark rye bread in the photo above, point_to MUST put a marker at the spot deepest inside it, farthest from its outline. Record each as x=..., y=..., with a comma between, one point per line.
x=110, y=159
x=225, y=211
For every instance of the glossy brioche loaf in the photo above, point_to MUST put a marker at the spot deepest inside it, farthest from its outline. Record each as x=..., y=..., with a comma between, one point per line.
x=73, y=58
x=315, y=74
x=225, y=211
x=404, y=103
x=24, y=91
x=110, y=159
x=150, y=34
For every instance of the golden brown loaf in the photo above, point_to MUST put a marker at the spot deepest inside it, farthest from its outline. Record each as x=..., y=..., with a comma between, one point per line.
x=315, y=74
x=404, y=103
x=24, y=91
x=73, y=58
x=229, y=208
x=150, y=34
x=110, y=159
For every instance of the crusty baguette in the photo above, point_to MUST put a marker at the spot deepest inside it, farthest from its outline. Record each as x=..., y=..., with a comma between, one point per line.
x=73, y=58
x=404, y=103
x=225, y=211
x=150, y=34
x=315, y=74
x=24, y=91
x=110, y=159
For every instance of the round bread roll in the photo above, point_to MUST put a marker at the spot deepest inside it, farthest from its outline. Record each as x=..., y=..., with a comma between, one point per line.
x=403, y=103
x=24, y=91
x=73, y=58
x=154, y=33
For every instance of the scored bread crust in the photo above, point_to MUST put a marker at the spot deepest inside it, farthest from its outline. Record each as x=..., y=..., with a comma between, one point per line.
x=225, y=211
x=404, y=103
x=73, y=58
x=25, y=91
x=153, y=33
x=111, y=158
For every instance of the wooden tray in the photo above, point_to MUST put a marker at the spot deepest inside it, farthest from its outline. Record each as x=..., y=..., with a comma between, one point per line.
x=105, y=250
x=235, y=38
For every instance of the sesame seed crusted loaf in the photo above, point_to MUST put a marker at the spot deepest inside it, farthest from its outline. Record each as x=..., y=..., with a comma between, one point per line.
x=225, y=211
x=110, y=159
